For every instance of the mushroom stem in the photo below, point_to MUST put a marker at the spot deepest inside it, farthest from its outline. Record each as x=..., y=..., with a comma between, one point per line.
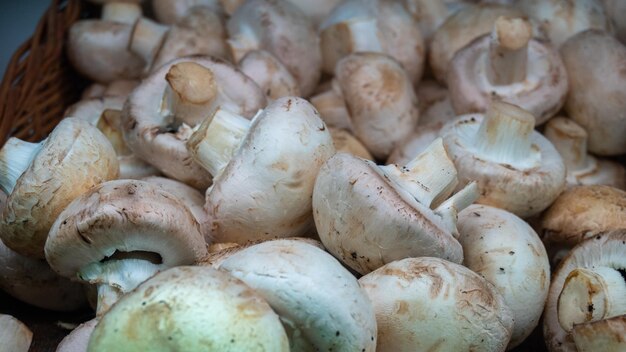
x=430, y=178
x=332, y=107
x=360, y=35
x=146, y=39
x=508, y=50
x=15, y=157
x=122, y=12
x=241, y=44
x=449, y=210
x=109, y=125
x=504, y=135
x=217, y=139
x=590, y=295
x=190, y=93
x=570, y=140
x=107, y=296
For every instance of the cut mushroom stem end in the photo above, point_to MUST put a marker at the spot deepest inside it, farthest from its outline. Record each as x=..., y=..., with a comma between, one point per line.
x=146, y=39
x=15, y=157
x=570, y=140
x=508, y=50
x=190, y=93
x=590, y=295
x=122, y=12
x=448, y=210
x=217, y=139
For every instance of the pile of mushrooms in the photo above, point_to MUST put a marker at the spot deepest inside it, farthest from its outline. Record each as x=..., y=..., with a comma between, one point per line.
x=337, y=175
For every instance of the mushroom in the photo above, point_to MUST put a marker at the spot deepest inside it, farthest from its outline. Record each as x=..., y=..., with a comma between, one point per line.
x=369, y=215
x=594, y=62
x=120, y=233
x=335, y=316
x=507, y=252
x=434, y=103
x=603, y=335
x=570, y=140
x=158, y=118
x=317, y=10
x=171, y=12
x=263, y=170
x=563, y=19
x=330, y=103
x=98, y=48
x=15, y=336
x=588, y=286
x=91, y=109
x=379, y=97
x=508, y=65
x=42, y=178
x=615, y=11
x=200, y=32
x=580, y=213
x=414, y=144
x=270, y=74
x=280, y=28
x=78, y=339
x=461, y=29
x=429, y=15
x=516, y=168
x=429, y=304
x=118, y=88
x=372, y=26
x=345, y=142
x=216, y=312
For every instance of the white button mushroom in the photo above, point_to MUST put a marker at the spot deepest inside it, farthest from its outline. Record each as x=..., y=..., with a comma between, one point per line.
x=594, y=62
x=159, y=116
x=14, y=335
x=615, y=11
x=42, y=178
x=330, y=103
x=516, y=168
x=582, y=168
x=263, y=170
x=429, y=304
x=429, y=15
x=117, y=88
x=190, y=309
x=507, y=252
x=372, y=26
x=588, y=286
x=415, y=144
x=119, y=234
x=270, y=74
x=280, y=28
x=368, y=215
x=78, y=339
x=320, y=303
x=171, y=12
x=434, y=103
x=345, y=142
x=603, y=335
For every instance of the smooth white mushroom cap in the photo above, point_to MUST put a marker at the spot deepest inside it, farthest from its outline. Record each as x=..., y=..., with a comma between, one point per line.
x=270, y=74
x=431, y=304
x=15, y=336
x=317, y=10
x=78, y=339
x=170, y=12
x=91, y=109
x=507, y=252
x=319, y=302
x=190, y=309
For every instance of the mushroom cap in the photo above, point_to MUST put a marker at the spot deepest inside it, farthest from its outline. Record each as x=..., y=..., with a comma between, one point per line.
x=615, y=11
x=312, y=292
x=78, y=339
x=562, y=19
x=216, y=312
x=415, y=144
x=580, y=213
x=282, y=29
x=434, y=103
x=270, y=74
x=521, y=191
x=123, y=216
x=15, y=336
x=345, y=142
x=362, y=220
x=265, y=190
x=430, y=304
x=607, y=250
x=317, y=10
x=429, y=15
x=542, y=92
x=99, y=50
x=397, y=34
x=199, y=32
x=461, y=29
x=131, y=167
x=191, y=197
x=75, y=157
x=91, y=109
x=603, y=335
x=32, y=281
x=145, y=123
x=594, y=61
x=506, y=251
x=380, y=99
x=170, y=12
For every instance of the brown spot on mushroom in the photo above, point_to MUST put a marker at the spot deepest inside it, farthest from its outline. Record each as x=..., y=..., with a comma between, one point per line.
x=402, y=307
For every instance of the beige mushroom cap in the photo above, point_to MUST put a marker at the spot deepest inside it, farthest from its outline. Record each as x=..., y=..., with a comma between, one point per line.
x=434, y=103
x=615, y=11
x=78, y=339
x=321, y=304
x=170, y=12
x=414, y=144
x=317, y=10
x=594, y=62
x=603, y=335
x=345, y=142
x=91, y=109
x=507, y=252
x=430, y=304
x=580, y=213
x=190, y=309
x=15, y=336
x=270, y=74
x=74, y=158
